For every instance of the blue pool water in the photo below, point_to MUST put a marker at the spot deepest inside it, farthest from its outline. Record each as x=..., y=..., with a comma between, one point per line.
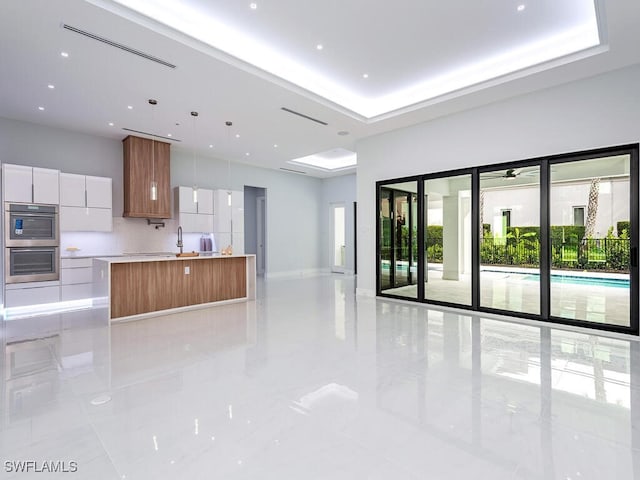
x=592, y=281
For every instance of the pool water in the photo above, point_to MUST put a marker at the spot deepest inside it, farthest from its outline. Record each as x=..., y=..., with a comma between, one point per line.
x=592, y=281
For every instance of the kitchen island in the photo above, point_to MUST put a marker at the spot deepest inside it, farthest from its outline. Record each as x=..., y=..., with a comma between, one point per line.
x=142, y=286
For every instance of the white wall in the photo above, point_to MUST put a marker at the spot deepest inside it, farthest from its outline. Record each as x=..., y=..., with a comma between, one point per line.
x=592, y=113
x=338, y=190
x=293, y=207
x=613, y=204
x=293, y=201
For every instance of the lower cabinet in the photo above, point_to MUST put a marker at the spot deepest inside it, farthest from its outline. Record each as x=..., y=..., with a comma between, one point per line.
x=76, y=283
x=31, y=293
x=76, y=277
x=143, y=287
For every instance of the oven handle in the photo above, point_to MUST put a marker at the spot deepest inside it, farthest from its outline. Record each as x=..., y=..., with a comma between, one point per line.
x=24, y=214
x=41, y=249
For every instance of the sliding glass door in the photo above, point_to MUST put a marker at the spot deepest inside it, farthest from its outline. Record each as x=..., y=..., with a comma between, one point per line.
x=591, y=240
x=553, y=239
x=448, y=237
x=398, y=239
x=510, y=239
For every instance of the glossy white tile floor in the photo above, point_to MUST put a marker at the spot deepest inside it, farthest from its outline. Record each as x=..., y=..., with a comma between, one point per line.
x=308, y=383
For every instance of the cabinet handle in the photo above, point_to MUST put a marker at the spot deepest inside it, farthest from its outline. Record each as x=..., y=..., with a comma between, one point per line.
x=33, y=197
x=86, y=203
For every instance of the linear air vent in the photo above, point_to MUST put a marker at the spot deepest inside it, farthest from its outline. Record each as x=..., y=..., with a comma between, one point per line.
x=171, y=139
x=303, y=116
x=93, y=36
x=293, y=171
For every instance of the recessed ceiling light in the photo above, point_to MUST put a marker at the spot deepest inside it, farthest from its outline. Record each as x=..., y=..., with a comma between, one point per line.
x=111, y=124
x=365, y=75
x=210, y=146
x=237, y=135
x=40, y=108
x=168, y=134
x=130, y=107
x=275, y=145
x=247, y=154
x=319, y=46
x=521, y=7
x=253, y=6
x=51, y=86
x=64, y=54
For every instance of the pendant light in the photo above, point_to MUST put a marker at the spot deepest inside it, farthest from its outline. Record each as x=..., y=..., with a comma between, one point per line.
x=195, y=187
x=154, y=183
x=228, y=124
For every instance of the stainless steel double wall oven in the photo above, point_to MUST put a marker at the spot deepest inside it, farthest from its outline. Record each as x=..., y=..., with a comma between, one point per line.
x=32, y=243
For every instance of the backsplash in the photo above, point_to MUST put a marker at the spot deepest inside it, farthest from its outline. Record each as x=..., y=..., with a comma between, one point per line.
x=129, y=235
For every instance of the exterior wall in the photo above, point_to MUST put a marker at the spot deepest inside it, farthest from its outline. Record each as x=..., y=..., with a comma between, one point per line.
x=613, y=204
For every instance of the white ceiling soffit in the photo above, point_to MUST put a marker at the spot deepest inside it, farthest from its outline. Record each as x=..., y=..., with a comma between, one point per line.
x=334, y=160
x=339, y=55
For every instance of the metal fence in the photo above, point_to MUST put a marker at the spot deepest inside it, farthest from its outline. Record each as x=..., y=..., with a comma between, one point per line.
x=610, y=254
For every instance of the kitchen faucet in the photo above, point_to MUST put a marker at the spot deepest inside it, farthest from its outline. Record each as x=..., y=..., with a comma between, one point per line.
x=179, y=244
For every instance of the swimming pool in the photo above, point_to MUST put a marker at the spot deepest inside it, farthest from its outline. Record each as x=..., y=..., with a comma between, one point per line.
x=575, y=280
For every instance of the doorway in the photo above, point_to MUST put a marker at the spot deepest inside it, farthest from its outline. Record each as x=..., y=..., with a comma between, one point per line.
x=255, y=226
x=261, y=213
x=338, y=243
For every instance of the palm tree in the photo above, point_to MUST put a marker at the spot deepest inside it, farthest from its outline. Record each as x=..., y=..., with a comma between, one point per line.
x=592, y=209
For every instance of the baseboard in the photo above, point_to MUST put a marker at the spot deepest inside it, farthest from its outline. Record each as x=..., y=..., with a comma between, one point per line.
x=307, y=272
x=365, y=292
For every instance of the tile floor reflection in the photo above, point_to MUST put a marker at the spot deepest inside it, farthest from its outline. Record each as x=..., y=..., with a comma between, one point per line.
x=310, y=382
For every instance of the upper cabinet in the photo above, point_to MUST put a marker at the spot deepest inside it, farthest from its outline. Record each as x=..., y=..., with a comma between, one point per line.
x=145, y=162
x=228, y=219
x=85, y=203
x=30, y=184
x=194, y=216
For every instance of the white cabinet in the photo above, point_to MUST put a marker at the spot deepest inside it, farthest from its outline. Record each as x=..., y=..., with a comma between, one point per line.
x=31, y=293
x=237, y=212
x=98, y=192
x=30, y=184
x=85, y=203
x=72, y=190
x=228, y=223
x=194, y=217
x=76, y=277
x=205, y=201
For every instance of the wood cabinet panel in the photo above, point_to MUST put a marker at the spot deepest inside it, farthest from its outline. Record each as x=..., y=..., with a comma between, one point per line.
x=144, y=287
x=144, y=161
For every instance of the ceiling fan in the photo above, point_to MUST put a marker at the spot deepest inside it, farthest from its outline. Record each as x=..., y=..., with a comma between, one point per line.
x=508, y=174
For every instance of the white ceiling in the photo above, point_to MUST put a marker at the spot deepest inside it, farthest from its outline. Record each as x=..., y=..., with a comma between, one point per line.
x=399, y=45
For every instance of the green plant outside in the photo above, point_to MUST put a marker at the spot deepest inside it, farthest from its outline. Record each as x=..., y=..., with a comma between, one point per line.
x=521, y=247
x=569, y=250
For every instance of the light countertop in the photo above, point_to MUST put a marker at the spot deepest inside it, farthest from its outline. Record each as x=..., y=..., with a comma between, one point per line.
x=164, y=258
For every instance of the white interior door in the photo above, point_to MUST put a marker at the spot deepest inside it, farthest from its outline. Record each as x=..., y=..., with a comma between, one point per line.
x=338, y=240
x=260, y=235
